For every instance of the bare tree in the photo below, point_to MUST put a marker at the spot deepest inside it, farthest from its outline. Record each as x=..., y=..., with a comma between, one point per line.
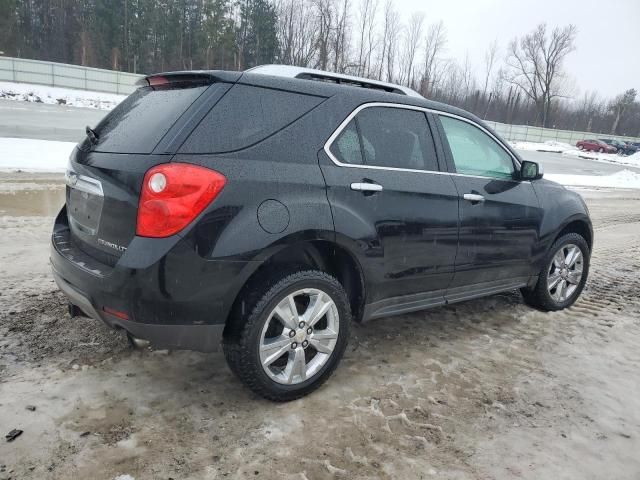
x=466, y=76
x=590, y=106
x=620, y=105
x=535, y=65
x=340, y=39
x=326, y=17
x=391, y=31
x=367, y=34
x=410, y=50
x=297, y=31
x=490, y=57
x=434, y=45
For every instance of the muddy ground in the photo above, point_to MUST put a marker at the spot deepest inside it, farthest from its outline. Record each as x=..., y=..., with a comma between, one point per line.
x=488, y=389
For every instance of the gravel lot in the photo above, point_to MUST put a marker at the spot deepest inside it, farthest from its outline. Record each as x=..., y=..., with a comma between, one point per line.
x=480, y=390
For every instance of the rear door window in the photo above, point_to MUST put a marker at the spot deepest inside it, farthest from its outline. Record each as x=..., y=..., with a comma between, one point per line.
x=346, y=148
x=245, y=116
x=387, y=137
x=140, y=121
x=397, y=138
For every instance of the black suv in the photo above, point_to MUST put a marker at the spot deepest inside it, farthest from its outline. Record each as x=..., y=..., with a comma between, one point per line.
x=265, y=212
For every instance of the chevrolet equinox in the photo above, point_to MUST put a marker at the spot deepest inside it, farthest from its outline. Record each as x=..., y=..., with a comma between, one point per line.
x=264, y=210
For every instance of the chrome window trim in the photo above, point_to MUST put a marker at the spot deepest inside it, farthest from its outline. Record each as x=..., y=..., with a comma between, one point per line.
x=345, y=122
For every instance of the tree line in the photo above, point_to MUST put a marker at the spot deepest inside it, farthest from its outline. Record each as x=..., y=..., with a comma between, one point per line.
x=522, y=82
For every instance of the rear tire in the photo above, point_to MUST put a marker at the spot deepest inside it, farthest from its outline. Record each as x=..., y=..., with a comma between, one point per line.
x=561, y=271
x=601, y=150
x=282, y=355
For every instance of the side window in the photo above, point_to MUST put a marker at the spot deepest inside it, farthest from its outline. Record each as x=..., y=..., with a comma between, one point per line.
x=346, y=148
x=474, y=152
x=247, y=115
x=396, y=137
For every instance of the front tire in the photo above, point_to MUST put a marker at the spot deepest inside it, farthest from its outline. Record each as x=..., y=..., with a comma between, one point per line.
x=564, y=275
x=291, y=335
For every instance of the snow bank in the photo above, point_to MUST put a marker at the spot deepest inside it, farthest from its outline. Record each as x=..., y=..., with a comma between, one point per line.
x=631, y=160
x=548, y=146
x=34, y=155
x=27, y=92
x=621, y=179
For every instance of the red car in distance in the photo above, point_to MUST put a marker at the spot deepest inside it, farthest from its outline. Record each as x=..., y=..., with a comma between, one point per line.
x=594, y=145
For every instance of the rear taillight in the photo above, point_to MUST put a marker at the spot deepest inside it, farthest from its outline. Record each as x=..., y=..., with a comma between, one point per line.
x=173, y=195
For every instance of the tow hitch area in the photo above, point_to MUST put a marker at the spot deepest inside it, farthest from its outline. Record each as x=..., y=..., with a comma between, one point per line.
x=74, y=311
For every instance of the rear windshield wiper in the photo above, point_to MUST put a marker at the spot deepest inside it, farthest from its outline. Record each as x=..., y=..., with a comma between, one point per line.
x=92, y=135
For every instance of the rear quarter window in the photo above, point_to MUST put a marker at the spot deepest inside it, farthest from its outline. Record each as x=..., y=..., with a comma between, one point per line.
x=245, y=116
x=140, y=121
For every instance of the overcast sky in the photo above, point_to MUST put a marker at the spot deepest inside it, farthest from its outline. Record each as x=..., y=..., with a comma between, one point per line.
x=607, y=55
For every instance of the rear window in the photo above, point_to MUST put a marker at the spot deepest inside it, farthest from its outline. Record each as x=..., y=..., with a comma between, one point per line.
x=138, y=123
x=245, y=116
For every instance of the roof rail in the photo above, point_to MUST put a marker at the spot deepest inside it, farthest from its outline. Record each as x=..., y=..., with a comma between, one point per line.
x=290, y=71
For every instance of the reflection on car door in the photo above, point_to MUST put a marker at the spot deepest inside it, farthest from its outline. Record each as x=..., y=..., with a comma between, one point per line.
x=389, y=200
x=499, y=214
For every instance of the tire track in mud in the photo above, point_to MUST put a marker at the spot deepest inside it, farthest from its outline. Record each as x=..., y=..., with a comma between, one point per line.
x=476, y=354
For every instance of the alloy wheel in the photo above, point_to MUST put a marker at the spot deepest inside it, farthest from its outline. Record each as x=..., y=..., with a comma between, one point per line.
x=299, y=336
x=565, y=272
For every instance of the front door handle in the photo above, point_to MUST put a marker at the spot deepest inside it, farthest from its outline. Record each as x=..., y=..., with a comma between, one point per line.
x=366, y=187
x=473, y=197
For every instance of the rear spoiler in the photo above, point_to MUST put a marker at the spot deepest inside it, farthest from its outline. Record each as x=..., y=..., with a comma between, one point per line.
x=189, y=76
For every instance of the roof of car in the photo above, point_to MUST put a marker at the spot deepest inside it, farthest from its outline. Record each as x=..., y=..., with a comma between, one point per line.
x=282, y=77
x=318, y=82
x=290, y=71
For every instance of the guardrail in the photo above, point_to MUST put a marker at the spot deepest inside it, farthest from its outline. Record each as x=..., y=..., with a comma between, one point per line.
x=67, y=76
x=526, y=133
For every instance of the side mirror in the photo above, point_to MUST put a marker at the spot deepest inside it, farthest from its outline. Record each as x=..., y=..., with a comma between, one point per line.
x=530, y=170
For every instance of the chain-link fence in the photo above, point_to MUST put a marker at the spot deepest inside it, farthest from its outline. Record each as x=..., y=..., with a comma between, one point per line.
x=68, y=76
x=526, y=133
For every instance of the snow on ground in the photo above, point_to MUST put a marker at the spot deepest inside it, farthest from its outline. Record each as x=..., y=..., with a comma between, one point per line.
x=631, y=160
x=34, y=155
x=27, y=92
x=570, y=150
x=548, y=146
x=621, y=179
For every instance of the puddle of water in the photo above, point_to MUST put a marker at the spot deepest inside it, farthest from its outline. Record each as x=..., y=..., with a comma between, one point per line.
x=37, y=202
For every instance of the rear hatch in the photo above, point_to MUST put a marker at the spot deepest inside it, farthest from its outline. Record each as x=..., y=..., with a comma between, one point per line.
x=106, y=170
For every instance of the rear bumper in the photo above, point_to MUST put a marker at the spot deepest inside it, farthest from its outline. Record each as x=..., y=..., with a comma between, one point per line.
x=203, y=338
x=170, y=295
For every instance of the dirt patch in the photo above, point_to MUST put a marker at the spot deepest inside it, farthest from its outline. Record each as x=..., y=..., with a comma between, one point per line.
x=36, y=327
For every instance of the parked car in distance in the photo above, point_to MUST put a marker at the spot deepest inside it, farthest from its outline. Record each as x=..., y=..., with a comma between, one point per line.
x=262, y=211
x=635, y=145
x=593, y=145
x=630, y=148
x=621, y=147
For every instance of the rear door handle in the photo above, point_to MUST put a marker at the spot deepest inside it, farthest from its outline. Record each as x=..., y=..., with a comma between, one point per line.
x=366, y=187
x=473, y=197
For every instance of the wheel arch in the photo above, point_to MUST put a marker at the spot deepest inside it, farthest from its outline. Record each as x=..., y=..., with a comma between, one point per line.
x=321, y=254
x=578, y=225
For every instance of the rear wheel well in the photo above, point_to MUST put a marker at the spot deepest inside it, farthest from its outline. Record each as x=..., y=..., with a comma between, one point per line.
x=581, y=228
x=318, y=255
